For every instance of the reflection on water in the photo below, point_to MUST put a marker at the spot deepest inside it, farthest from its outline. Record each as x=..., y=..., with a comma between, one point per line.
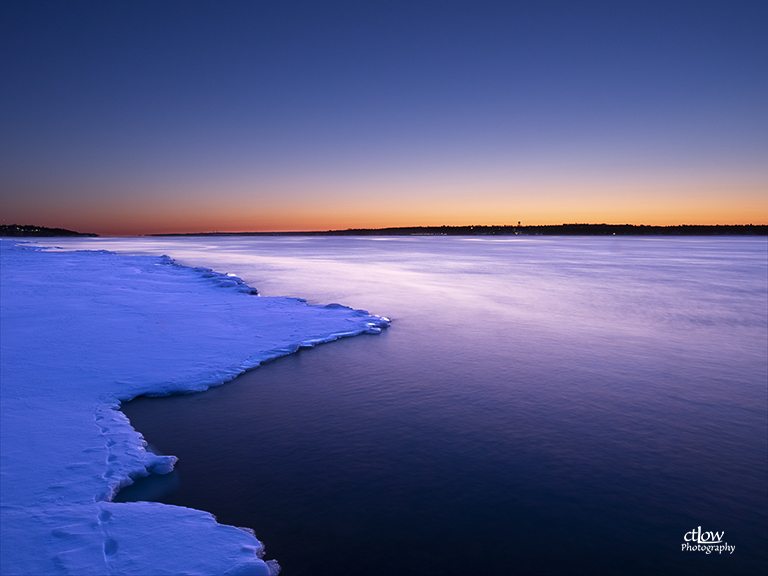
x=540, y=405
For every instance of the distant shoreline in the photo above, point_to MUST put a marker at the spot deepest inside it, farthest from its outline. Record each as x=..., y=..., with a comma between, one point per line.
x=548, y=230
x=16, y=230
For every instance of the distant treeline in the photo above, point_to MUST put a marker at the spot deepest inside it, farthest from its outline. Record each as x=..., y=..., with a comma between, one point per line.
x=29, y=230
x=553, y=230
x=561, y=230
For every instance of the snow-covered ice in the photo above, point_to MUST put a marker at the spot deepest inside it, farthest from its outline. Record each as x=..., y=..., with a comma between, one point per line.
x=80, y=332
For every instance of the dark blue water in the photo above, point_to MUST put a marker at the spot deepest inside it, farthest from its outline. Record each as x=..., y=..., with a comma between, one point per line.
x=539, y=406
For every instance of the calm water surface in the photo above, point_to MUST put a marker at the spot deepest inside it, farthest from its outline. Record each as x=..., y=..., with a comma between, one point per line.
x=539, y=406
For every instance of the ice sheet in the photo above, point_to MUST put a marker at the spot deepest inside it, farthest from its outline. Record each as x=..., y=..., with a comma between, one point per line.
x=79, y=333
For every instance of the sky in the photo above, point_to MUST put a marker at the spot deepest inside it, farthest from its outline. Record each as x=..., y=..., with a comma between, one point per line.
x=129, y=118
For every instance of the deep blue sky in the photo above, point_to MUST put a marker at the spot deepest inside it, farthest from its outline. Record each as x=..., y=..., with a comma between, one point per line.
x=136, y=117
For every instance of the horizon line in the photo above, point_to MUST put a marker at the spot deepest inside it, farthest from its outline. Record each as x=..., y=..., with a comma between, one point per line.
x=467, y=228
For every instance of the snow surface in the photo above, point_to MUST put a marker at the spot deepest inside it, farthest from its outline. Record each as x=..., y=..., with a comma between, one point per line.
x=80, y=332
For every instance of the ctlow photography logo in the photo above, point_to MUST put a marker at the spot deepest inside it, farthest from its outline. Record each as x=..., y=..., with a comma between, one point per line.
x=707, y=542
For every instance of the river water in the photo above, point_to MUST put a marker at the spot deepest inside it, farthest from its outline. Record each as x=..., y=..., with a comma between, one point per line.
x=540, y=405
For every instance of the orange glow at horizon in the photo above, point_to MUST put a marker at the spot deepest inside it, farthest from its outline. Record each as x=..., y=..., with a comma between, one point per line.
x=238, y=207
x=310, y=217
